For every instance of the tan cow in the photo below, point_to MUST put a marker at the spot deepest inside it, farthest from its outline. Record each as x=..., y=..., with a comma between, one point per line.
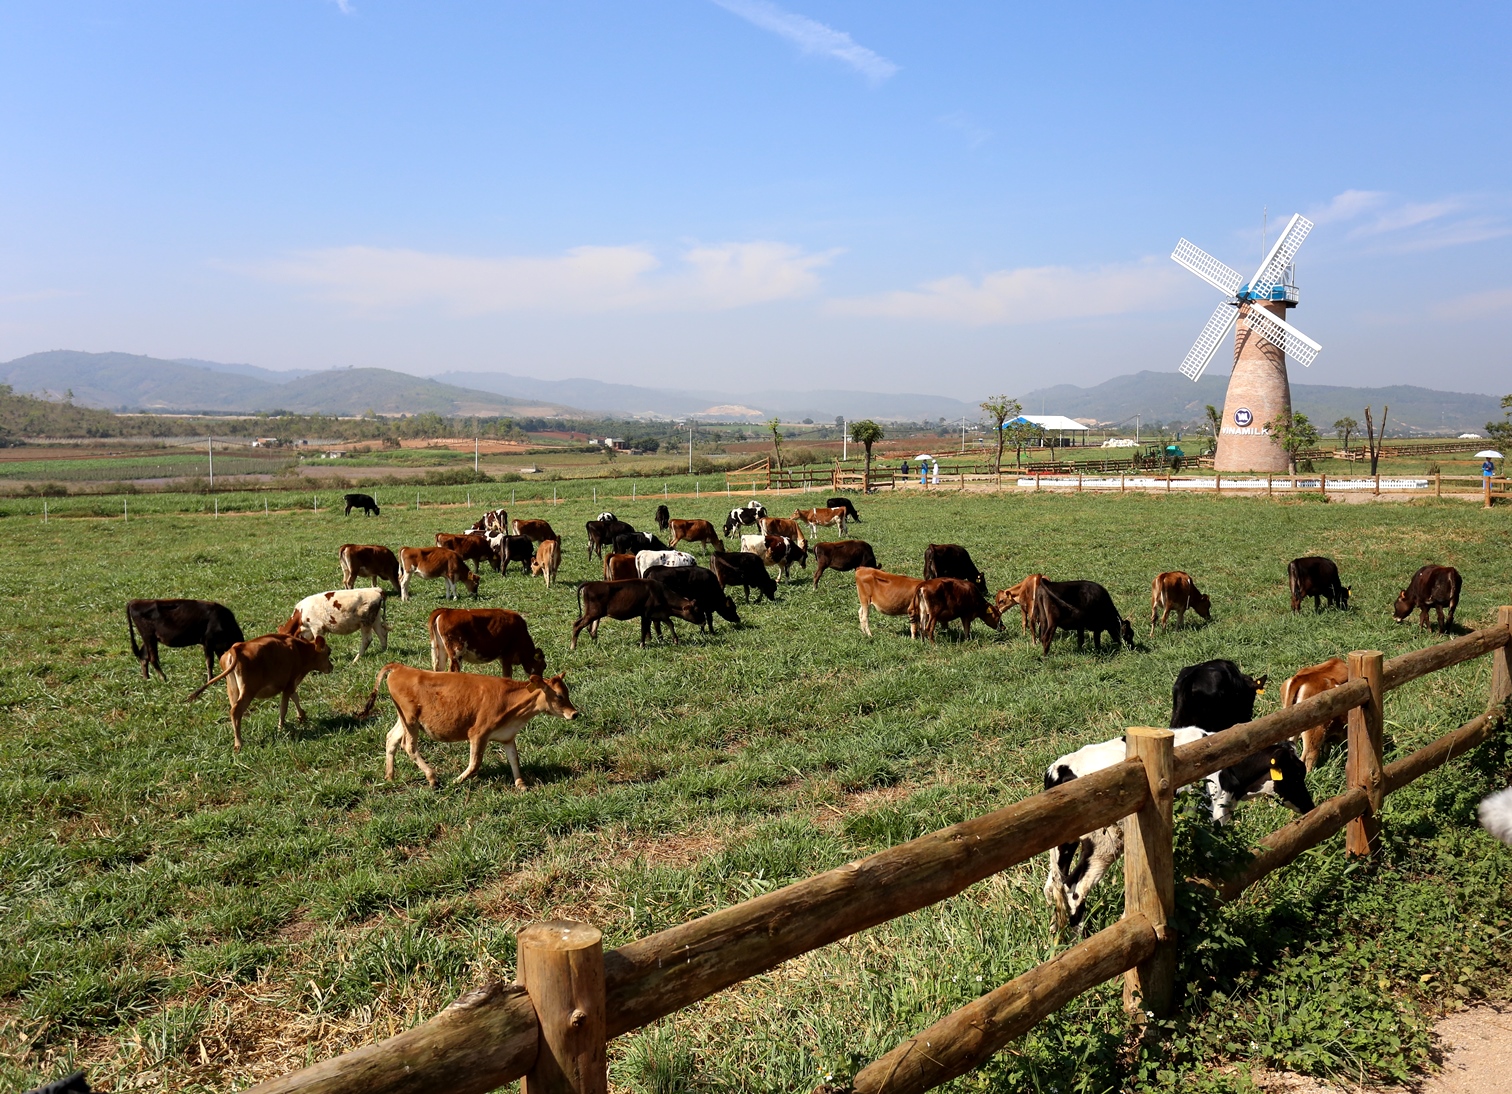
x=890, y=594
x=1022, y=595
x=433, y=562
x=538, y=530
x=548, y=560
x=620, y=568
x=473, y=547
x=1310, y=683
x=781, y=526
x=481, y=636
x=457, y=706
x=274, y=664
x=822, y=518
x=695, y=531
x=1175, y=591
x=369, y=561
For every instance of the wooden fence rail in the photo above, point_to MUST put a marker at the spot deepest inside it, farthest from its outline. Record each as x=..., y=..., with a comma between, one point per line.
x=548, y=1029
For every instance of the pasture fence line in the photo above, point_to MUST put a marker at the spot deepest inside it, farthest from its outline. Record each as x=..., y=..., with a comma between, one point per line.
x=551, y=1028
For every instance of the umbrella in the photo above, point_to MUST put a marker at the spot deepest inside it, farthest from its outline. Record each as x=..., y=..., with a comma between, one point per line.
x=925, y=456
x=1489, y=454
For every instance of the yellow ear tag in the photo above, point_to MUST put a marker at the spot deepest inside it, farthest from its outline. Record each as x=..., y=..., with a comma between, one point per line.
x=1275, y=773
x=1260, y=692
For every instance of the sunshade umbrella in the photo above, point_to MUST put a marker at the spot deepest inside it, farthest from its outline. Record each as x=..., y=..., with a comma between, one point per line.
x=1489, y=454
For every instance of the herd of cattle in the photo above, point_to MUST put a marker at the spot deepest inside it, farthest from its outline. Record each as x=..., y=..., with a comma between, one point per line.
x=650, y=580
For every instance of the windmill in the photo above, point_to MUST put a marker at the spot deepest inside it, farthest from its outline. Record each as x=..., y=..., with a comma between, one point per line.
x=1263, y=339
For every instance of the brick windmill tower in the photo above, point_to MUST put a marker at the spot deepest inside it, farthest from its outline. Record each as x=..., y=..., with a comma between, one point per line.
x=1263, y=339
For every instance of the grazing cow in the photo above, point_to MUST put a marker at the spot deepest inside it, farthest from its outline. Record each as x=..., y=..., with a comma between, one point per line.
x=663, y=518
x=644, y=560
x=370, y=561
x=648, y=601
x=695, y=531
x=951, y=560
x=433, y=562
x=453, y=706
x=601, y=533
x=817, y=518
x=745, y=515
x=942, y=599
x=177, y=623
x=481, y=636
x=1309, y=683
x=1274, y=771
x=344, y=611
x=606, y=515
x=844, y=503
x=740, y=568
x=494, y=522
x=629, y=543
x=473, y=548
x=274, y=664
x=890, y=594
x=1214, y=695
x=843, y=555
x=1436, y=587
x=779, y=551
x=519, y=549
x=1318, y=578
x=1022, y=595
x=360, y=501
x=1175, y=591
x=538, y=530
x=619, y=567
x=700, y=586
x=1079, y=606
x=781, y=526
x=547, y=561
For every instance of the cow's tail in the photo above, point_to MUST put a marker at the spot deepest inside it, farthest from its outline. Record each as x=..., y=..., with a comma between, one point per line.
x=225, y=672
x=377, y=683
x=346, y=567
x=437, y=651
x=136, y=651
x=1289, y=693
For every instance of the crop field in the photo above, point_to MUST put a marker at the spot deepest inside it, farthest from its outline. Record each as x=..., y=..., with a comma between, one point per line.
x=179, y=917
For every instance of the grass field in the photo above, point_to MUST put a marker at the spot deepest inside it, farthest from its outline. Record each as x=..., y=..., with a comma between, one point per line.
x=187, y=919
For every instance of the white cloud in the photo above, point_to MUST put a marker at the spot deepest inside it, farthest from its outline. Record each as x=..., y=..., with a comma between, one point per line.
x=1347, y=206
x=811, y=36
x=583, y=280
x=1392, y=225
x=975, y=133
x=1027, y=295
x=1478, y=305
x=345, y=7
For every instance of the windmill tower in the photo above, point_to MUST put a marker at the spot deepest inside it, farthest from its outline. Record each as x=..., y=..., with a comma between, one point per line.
x=1263, y=339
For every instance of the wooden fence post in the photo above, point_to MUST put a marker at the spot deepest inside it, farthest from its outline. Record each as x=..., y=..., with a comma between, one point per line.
x=1149, y=874
x=1323, y=483
x=1218, y=482
x=1438, y=484
x=562, y=970
x=1269, y=489
x=1363, y=769
x=1501, y=662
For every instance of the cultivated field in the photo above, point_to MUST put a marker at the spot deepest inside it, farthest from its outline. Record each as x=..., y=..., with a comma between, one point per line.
x=182, y=918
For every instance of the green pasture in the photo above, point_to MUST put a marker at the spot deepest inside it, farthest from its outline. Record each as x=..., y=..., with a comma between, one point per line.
x=183, y=918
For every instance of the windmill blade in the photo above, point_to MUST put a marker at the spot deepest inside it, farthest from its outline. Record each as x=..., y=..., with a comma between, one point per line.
x=1205, y=266
x=1280, y=256
x=1281, y=334
x=1213, y=333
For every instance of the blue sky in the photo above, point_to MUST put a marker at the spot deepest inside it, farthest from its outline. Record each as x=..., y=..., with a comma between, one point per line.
x=957, y=198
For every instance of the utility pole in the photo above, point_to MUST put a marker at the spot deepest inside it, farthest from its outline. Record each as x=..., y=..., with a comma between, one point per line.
x=690, y=447
x=1136, y=429
x=963, y=434
x=210, y=448
x=844, y=440
x=475, y=455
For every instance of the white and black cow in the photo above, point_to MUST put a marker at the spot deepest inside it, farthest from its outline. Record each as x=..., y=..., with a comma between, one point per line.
x=345, y=611
x=747, y=515
x=644, y=560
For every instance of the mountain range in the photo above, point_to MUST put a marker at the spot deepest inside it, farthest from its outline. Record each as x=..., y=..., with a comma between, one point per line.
x=121, y=381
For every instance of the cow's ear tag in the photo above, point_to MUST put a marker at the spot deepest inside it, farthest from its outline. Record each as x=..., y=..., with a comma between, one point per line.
x=1260, y=693
x=1275, y=773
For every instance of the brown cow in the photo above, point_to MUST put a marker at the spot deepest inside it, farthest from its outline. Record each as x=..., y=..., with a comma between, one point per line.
x=1022, y=595
x=1436, y=587
x=472, y=547
x=433, y=562
x=1175, y=591
x=649, y=601
x=274, y=664
x=538, y=530
x=781, y=526
x=372, y=562
x=843, y=555
x=890, y=594
x=942, y=599
x=779, y=551
x=464, y=707
x=695, y=531
x=1309, y=683
x=481, y=636
x=548, y=560
x=620, y=568
x=822, y=517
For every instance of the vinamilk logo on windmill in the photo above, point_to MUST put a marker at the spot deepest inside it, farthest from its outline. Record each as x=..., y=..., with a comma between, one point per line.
x=1258, y=391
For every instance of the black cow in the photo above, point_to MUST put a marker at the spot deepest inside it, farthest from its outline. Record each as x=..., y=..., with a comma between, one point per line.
x=950, y=560
x=663, y=518
x=1318, y=578
x=519, y=549
x=843, y=555
x=603, y=531
x=629, y=543
x=1214, y=695
x=700, y=586
x=744, y=568
x=1079, y=606
x=636, y=598
x=844, y=503
x=177, y=623
x=364, y=502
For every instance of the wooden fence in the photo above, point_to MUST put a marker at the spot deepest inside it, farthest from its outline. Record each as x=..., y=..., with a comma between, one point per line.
x=551, y=1028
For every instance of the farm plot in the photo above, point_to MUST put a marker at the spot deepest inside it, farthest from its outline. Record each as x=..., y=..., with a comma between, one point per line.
x=177, y=912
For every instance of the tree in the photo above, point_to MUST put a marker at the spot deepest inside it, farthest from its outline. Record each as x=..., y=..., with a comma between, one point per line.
x=1000, y=409
x=866, y=433
x=1294, y=433
x=1372, y=439
x=1018, y=434
x=774, y=425
x=1501, y=432
x=1343, y=428
x=1214, y=421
